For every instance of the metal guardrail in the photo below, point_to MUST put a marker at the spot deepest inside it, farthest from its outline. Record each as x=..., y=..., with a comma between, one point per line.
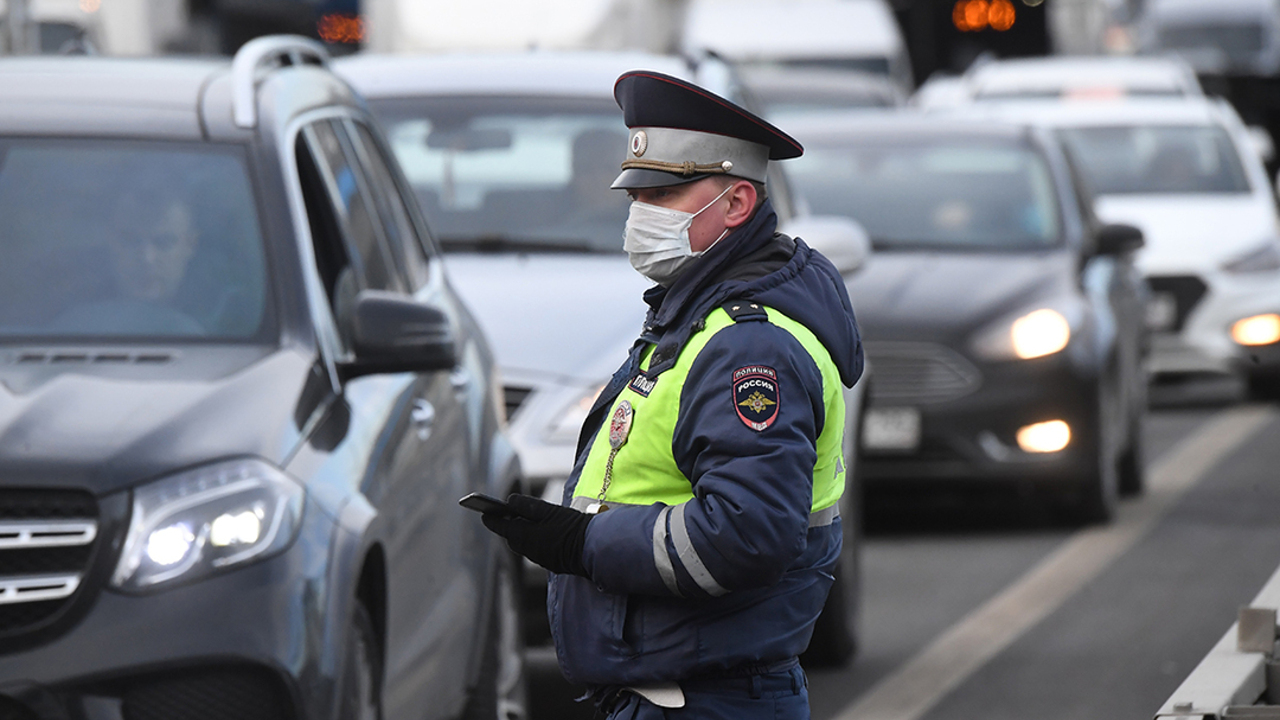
x=272, y=50
x=1240, y=677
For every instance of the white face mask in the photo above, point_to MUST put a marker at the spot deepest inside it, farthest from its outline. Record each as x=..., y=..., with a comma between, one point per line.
x=657, y=240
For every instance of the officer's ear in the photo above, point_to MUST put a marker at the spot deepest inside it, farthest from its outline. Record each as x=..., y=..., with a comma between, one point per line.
x=742, y=203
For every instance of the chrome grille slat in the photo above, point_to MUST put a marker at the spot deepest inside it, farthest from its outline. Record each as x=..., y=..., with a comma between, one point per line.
x=34, y=534
x=37, y=588
x=913, y=373
x=48, y=539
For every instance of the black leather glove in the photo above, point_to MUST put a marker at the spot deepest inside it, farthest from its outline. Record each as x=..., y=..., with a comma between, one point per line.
x=550, y=535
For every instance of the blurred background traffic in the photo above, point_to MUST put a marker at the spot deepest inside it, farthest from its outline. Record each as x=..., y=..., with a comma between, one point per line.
x=1050, y=215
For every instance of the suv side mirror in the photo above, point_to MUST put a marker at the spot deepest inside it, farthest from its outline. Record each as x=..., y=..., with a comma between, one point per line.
x=1261, y=142
x=1118, y=239
x=394, y=333
x=842, y=240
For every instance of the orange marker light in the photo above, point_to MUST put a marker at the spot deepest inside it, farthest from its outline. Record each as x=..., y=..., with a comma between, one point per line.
x=336, y=28
x=976, y=15
x=1001, y=15
x=970, y=15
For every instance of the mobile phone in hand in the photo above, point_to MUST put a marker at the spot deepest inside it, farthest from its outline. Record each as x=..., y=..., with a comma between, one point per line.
x=482, y=503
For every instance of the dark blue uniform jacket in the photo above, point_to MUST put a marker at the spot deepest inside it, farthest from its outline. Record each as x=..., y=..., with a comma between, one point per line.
x=749, y=521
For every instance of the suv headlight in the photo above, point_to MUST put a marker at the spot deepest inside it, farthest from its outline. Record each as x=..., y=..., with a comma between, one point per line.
x=206, y=519
x=1026, y=336
x=1265, y=258
x=567, y=425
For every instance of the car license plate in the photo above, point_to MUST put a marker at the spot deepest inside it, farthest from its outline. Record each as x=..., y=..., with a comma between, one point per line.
x=1162, y=311
x=891, y=429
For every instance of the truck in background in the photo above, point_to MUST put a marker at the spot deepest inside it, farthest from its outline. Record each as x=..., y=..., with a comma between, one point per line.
x=110, y=27
x=419, y=26
x=857, y=35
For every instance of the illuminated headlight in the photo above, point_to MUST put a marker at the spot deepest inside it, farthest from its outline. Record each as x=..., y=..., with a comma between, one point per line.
x=1265, y=258
x=1039, y=333
x=1044, y=437
x=567, y=424
x=1032, y=335
x=204, y=520
x=1257, y=330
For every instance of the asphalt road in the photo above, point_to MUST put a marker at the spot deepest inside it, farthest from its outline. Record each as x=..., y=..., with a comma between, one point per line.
x=993, y=607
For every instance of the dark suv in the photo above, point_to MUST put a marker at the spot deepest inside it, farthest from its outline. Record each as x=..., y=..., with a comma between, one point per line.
x=238, y=403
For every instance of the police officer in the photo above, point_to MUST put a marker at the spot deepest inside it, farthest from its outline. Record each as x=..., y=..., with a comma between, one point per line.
x=699, y=529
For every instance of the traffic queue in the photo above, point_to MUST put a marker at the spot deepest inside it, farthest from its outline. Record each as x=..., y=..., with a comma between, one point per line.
x=264, y=320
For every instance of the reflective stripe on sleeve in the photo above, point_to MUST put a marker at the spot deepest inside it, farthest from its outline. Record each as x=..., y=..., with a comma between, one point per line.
x=824, y=517
x=661, y=558
x=689, y=556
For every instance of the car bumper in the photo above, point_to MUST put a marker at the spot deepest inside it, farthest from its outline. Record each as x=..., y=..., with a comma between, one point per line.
x=248, y=643
x=1203, y=343
x=974, y=438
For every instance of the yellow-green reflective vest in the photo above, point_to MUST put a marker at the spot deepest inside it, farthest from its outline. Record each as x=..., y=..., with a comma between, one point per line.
x=643, y=470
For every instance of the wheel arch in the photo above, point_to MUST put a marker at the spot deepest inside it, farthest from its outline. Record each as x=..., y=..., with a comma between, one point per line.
x=371, y=592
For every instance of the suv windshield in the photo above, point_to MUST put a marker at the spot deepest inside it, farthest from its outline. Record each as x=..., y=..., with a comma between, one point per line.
x=513, y=173
x=128, y=240
x=960, y=193
x=1157, y=159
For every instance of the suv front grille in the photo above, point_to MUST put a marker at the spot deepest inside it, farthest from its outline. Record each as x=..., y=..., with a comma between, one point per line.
x=230, y=693
x=46, y=546
x=513, y=396
x=908, y=373
x=1186, y=291
x=12, y=710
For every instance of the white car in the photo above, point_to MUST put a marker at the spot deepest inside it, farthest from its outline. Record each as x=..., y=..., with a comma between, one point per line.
x=1187, y=173
x=1062, y=78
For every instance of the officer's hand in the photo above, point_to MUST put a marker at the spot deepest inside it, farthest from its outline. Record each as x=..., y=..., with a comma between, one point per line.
x=550, y=535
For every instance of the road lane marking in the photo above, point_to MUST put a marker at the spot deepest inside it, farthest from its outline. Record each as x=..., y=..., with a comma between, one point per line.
x=954, y=656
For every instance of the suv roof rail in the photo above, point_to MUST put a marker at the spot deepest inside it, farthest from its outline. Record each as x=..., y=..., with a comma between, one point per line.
x=249, y=59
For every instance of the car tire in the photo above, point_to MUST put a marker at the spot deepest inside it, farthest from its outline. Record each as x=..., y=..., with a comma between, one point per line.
x=1099, y=492
x=1132, y=464
x=1264, y=386
x=501, y=692
x=361, y=697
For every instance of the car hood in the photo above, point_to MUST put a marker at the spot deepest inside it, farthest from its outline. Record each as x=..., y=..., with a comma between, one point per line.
x=942, y=297
x=108, y=424
x=1191, y=233
x=566, y=316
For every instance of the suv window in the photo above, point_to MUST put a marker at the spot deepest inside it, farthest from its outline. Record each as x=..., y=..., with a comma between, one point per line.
x=373, y=264
x=402, y=235
x=128, y=240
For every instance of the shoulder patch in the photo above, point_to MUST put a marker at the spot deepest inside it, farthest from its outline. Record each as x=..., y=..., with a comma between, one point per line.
x=756, y=396
x=745, y=310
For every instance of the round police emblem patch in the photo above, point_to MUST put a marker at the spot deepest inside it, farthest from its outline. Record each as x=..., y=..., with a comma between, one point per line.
x=755, y=396
x=639, y=143
x=620, y=425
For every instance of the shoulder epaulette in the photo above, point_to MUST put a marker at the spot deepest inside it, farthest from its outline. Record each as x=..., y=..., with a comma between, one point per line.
x=745, y=311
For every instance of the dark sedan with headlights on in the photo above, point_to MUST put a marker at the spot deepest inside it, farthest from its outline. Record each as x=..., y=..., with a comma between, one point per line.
x=1004, y=324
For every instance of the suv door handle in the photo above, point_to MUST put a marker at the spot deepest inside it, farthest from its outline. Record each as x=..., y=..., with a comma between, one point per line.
x=460, y=380
x=422, y=416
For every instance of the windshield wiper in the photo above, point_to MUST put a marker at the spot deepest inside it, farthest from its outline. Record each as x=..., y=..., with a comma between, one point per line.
x=506, y=243
x=957, y=245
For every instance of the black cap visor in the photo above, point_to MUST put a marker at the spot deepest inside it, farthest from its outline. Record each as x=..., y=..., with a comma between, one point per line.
x=635, y=178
